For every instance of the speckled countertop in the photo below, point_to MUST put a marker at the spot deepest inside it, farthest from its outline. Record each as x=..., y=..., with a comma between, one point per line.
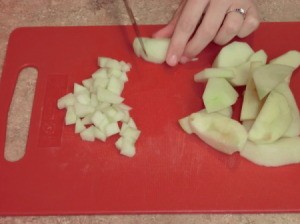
x=17, y=13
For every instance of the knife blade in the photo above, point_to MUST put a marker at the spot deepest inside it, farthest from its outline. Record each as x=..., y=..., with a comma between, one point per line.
x=135, y=25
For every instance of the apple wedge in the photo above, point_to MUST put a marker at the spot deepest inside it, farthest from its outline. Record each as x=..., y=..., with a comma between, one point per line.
x=185, y=123
x=251, y=102
x=272, y=121
x=242, y=71
x=248, y=124
x=218, y=94
x=290, y=58
x=279, y=153
x=294, y=128
x=156, y=49
x=233, y=54
x=267, y=77
x=207, y=73
x=222, y=133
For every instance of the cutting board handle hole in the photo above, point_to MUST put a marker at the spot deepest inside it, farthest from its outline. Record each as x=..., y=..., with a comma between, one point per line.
x=19, y=114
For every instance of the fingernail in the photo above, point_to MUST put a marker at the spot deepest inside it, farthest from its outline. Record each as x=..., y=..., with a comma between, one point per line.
x=172, y=61
x=184, y=59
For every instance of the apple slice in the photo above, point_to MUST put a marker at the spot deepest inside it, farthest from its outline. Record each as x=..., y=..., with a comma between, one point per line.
x=156, y=49
x=248, y=124
x=267, y=77
x=233, y=54
x=290, y=58
x=207, y=73
x=185, y=123
x=251, y=102
x=222, y=133
x=218, y=94
x=272, y=121
x=279, y=153
x=242, y=71
x=294, y=128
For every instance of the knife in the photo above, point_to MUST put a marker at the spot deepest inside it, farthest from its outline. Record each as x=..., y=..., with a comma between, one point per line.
x=135, y=26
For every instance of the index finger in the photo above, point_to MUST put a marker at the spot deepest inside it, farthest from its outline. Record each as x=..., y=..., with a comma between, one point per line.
x=184, y=29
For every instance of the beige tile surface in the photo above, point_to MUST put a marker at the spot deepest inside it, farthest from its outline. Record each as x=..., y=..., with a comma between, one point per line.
x=17, y=13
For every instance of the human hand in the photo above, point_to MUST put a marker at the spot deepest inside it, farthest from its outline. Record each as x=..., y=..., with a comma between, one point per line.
x=198, y=22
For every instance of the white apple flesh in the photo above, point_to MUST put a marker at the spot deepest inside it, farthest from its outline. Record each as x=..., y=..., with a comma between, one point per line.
x=222, y=133
x=272, y=121
x=156, y=49
x=218, y=94
x=279, y=153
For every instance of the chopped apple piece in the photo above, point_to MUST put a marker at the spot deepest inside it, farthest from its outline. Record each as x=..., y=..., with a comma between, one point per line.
x=115, y=85
x=79, y=89
x=130, y=132
x=131, y=123
x=99, y=134
x=118, y=143
x=79, y=126
x=115, y=72
x=82, y=110
x=222, y=133
x=100, y=73
x=124, y=77
x=127, y=148
x=97, y=118
x=272, y=121
x=267, y=77
x=87, y=119
x=156, y=49
x=233, y=54
x=279, y=153
x=108, y=96
x=65, y=101
x=112, y=129
x=88, y=134
x=106, y=62
x=83, y=98
x=125, y=67
x=70, y=117
x=294, y=128
x=100, y=82
x=88, y=83
x=218, y=94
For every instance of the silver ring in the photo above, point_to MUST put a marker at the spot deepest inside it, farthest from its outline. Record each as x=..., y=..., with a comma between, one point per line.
x=241, y=11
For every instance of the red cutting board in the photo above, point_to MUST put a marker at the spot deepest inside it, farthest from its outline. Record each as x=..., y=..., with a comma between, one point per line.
x=172, y=172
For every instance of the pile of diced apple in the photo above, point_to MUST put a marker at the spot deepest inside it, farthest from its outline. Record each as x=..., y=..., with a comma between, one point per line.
x=96, y=107
x=268, y=133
